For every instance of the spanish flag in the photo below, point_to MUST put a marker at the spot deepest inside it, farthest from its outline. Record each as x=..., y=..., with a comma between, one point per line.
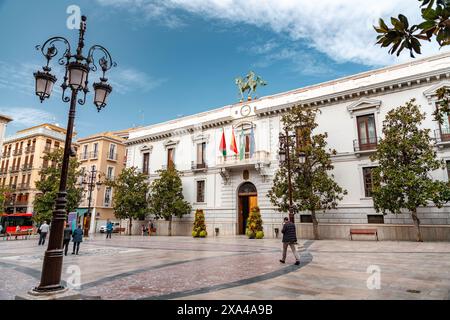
x=233, y=145
x=223, y=144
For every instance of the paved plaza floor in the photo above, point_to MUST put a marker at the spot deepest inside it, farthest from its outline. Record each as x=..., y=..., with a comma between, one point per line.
x=236, y=268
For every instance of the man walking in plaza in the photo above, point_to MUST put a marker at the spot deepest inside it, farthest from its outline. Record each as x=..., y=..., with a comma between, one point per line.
x=44, y=228
x=77, y=239
x=109, y=229
x=289, y=239
x=67, y=234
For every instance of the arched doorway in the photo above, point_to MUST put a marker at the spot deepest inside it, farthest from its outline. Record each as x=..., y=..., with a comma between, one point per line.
x=247, y=199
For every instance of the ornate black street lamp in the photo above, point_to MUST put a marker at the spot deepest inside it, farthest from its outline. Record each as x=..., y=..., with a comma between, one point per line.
x=77, y=68
x=91, y=180
x=285, y=158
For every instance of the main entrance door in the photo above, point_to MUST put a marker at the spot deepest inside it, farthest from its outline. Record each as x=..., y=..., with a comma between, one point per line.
x=247, y=199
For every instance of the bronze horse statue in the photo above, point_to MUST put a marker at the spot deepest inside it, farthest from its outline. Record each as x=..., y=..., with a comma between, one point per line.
x=249, y=83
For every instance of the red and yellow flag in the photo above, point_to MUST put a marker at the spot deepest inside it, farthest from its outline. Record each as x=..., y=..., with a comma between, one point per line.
x=233, y=145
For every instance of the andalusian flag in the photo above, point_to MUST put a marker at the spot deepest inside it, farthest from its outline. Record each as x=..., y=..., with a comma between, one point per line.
x=233, y=146
x=223, y=144
x=241, y=145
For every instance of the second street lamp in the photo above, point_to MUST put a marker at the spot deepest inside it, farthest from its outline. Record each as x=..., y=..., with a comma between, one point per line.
x=77, y=68
x=285, y=158
x=90, y=180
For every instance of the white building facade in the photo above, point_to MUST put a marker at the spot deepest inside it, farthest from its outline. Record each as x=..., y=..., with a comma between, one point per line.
x=352, y=111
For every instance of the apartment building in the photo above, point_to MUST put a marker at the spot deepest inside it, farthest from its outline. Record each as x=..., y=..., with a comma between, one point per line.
x=4, y=120
x=22, y=159
x=102, y=156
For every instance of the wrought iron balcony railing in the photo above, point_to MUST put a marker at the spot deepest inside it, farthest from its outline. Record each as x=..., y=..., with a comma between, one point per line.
x=442, y=135
x=29, y=149
x=366, y=144
x=111, y=156
x=199, y=166
x=247, y=159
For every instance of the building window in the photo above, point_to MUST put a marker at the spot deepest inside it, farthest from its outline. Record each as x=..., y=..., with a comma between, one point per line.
x=85, y=152
x=302, y=137
x=368, y=181
x=145, y=162
x=95, y=151
x=448, y=169
x=107, y=200
x=112, y=152
x=201, y=148
x=375, y=218
x=201, y=191
x=367, y=135
x=48, y=145
x=170, y=157
x=110, y=173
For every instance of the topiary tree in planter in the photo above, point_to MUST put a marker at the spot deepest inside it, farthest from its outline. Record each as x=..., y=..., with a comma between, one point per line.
x=254, y=224
x=199, y=229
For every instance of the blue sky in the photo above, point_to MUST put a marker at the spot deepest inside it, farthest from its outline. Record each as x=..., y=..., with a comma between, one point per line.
x=179, y=57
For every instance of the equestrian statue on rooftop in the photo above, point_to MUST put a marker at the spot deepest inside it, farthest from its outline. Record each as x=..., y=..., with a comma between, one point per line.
x=249, y=83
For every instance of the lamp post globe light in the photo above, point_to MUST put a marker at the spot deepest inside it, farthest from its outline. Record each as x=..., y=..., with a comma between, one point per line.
x=285, y=158
x=77, y=68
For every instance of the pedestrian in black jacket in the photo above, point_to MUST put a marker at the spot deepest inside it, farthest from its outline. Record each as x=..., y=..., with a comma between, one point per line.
x=67, y=235
x=289, y=239
x=77, y=239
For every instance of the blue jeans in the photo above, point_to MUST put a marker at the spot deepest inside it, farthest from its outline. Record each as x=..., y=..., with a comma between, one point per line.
x=42, y=237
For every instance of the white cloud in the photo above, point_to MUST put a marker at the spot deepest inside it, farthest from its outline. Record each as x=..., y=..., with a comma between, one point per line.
x=124, y=80
x=340, y=29
x=27, y=117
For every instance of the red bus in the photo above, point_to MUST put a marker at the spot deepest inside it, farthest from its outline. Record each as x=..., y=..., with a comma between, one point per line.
x=10, y=222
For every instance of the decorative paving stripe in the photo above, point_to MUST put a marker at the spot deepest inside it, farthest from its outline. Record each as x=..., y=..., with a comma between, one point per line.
x=305, y=259
x=137, y=271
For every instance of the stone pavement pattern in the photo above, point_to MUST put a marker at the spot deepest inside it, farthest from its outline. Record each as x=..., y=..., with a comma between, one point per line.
x=236, y=268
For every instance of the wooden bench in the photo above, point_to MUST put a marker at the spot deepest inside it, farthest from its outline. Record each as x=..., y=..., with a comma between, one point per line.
x=118, y=230
x=17, y=234
x=363, y=231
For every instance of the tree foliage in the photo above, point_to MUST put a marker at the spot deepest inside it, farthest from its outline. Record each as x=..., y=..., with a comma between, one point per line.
x=166, y=196
x=406, y=156
x=254, y=227
x=5, y=194
x=314, y=188
x=48, y=186
x=199, y=229
x=403, y=35
x=130, y=200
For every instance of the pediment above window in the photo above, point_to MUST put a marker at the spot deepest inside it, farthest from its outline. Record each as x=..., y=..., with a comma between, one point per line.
x=199, y=138
x=364, y=106
x=431, y=92
x=171, y=143
x=146, y=148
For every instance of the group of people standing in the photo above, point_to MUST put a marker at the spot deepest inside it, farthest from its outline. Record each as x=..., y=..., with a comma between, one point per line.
x=76, y=236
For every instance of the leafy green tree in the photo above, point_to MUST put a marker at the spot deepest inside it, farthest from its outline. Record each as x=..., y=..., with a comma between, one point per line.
x=166, y=196
x=254, y=224
x=199, y=229
x=130, y=199
x=406, y=156
x=403, y=35
x=48, y=186
x=5, y=193
x=314, y=188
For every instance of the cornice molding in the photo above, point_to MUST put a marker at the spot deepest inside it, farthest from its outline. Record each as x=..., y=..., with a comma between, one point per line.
x=399, y=84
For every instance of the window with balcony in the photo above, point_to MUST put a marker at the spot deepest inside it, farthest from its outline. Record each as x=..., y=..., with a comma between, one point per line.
x=48, y=145
x=444, y=129
x=112, y=155
x=448, y=169
x=110, y=173
x=367, y=135
x=201, y=191
x=201, y=154
x=57, y=145
x=95, y=151
x=145, y=162
x=84, y=154
x=368, y=181
x=107, y=199
x=170, y=158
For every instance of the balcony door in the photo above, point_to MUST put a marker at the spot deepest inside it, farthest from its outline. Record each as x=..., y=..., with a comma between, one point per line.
x=201, y=148
x=445, y=128
x=367, y=135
